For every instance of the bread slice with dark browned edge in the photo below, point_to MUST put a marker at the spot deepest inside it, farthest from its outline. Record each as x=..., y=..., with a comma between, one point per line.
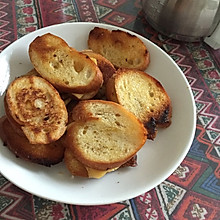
x=36, y=106
x=103, y=134
x=143, y=95
x=44, y=154
x=122, y=49
x=66, y=68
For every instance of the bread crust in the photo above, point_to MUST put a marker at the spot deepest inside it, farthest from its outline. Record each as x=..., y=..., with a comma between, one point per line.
x=75, y=167
x=35, y=105
x=46, y=155
x=122, y=49
x=16, y=126
x=107, y=69
x=143, y=95
x=66, y=68
x=99, y=120
x=105, y=66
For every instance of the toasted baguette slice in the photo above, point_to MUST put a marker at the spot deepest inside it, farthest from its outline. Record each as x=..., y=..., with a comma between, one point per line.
x=98, y=135
x=143, y=95
x=44, y=154
x=67, y=69
x=36, y=106
x=122, y=49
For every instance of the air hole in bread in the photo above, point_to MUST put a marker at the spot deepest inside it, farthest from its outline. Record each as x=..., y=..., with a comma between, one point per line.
x=46, y=118
x=39, y=103
x=54, y=65
x=127, y=150
x=78, y=66
x=129, y=61
x=151, y=94
x=67, y=82
x=85, y=129
x=118, y=123
x=45, y=130
x=88, y=74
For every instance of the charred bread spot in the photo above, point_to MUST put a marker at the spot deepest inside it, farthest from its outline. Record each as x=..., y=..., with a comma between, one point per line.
x=151, y=128
x=131, y=163
x=165, y=119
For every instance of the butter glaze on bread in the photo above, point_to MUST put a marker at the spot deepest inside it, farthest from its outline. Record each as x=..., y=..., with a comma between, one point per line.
x=143, y=95
x=103, y=134
x=122, y=49
x=64, y=67
x=36, y=106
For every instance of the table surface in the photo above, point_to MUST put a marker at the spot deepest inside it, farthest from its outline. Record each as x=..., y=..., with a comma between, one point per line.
x=193, y=190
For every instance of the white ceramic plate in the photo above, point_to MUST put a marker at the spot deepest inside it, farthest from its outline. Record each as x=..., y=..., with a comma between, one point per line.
x=157, y=160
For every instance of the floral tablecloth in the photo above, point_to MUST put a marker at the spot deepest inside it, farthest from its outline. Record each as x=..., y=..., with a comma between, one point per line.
x=193, y=190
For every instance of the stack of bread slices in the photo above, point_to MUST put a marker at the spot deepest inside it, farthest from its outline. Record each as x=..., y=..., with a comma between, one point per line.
x=94, y=108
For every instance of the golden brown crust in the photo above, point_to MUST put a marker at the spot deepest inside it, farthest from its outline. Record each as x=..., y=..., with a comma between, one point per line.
x=66, y=68
x=106, y=67
x=122, y=49
x=75, y=167
x=84, y=96
x=16, y=126
x=32, y=72
x=143, y=95
x=35, y=105
x=46, y=155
